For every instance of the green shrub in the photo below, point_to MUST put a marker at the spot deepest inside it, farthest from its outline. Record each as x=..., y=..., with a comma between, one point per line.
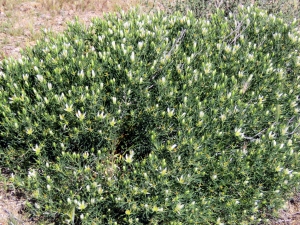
x=155, y=119
x=288, y=9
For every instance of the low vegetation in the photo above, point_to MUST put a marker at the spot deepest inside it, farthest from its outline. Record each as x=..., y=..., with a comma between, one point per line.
x=32, y=177
x=142, y=119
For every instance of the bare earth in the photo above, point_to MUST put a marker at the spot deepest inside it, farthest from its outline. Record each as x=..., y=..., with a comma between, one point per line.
x=20, y=25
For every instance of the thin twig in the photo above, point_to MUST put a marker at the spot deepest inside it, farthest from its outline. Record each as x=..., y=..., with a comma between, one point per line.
x=294, y=130
x=238, y=32
x=295, y=214
x=182, y=34
x=177, y=41
x=252, y=138
x=218, y=4
x=291, y=119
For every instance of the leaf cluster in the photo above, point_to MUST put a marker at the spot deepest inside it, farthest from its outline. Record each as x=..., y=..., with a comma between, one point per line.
x=155, y=119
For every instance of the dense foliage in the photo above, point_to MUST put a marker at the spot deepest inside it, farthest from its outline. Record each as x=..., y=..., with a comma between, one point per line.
x=287, y=9
x=155, y=119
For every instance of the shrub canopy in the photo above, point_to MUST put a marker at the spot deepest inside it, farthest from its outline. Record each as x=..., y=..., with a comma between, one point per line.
x=155, y=119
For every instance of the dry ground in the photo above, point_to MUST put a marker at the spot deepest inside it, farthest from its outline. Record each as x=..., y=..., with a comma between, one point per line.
x=20, y=25
x=22, y=20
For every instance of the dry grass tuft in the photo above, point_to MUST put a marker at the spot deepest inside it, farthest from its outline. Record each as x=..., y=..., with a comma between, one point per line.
x=22, y=20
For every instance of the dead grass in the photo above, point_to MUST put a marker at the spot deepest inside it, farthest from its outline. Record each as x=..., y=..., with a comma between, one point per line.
x=20, y=25
x=21, y=21
x=290, y=214
x=11, y=205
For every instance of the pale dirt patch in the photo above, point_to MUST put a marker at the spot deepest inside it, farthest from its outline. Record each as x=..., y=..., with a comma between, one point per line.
x=29, y=18
x=11, y=207
x=21, y=23
x=290, y=215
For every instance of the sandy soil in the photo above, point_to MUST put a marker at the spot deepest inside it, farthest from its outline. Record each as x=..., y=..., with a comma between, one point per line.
x=30, y=17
